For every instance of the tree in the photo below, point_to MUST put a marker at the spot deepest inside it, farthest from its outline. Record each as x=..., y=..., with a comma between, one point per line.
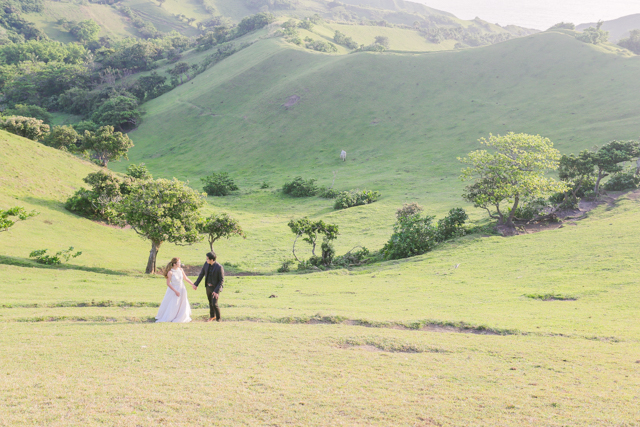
x=29, y=111
x=576, y=171
x=162, y=211
x=27, y=127
x=594, y=35
x=85, y=31
x=219, y=226
x=382, y=41
x=139, y=172
x=632, y=42
x=18, y=212
x=62, y=138
x=513, y=173
x=107, y=145
x=180, y=69
x=119, y=111
x=312, y=230
x=608, y=158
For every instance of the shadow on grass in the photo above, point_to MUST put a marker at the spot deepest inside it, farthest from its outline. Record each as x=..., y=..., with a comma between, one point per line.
x=23, y=262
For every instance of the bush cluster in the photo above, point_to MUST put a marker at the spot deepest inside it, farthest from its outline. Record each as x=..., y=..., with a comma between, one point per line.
x=344, y=40
x=625, y=180
x=299, y=187
x=348, y=199
x=41, y=257
x=219, y=184
x=415, y=235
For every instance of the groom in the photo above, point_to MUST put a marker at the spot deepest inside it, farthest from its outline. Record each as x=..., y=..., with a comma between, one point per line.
x=213, y=275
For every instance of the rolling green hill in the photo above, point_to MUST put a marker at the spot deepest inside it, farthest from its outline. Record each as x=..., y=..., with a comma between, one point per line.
x=403, y=119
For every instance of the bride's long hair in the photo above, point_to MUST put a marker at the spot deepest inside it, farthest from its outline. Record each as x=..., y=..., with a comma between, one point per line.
x=169, y=266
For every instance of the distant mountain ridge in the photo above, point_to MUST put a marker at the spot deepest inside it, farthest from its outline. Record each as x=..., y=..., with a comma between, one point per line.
x=618, y=28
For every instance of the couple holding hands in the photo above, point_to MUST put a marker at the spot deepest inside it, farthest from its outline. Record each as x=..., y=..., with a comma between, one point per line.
x=175, y=305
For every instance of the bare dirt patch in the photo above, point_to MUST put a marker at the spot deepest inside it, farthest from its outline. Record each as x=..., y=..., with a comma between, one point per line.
x=291, y=101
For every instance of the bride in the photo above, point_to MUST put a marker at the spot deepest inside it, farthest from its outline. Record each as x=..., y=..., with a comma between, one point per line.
x=175, y=306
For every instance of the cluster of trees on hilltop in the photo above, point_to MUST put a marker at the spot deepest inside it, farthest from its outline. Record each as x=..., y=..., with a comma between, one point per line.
x=85, y=78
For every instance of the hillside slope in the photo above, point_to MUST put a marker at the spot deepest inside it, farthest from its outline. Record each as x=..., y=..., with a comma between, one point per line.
x=272, y=111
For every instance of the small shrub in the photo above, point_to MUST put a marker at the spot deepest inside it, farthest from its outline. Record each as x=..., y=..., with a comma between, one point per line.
x=529, y=210
x=300, y=188
x=219, y=184
x=321, y=46
x=328, y=252
x=327, y=193
x=408, y=209
x=82, y=202
x=264, y=185
x=622, y=181
x=563, y=26
x=307, y=25
x=350, y=259
x=41, y=256
x=452, y=225
x=348, y=199
x=286, y=266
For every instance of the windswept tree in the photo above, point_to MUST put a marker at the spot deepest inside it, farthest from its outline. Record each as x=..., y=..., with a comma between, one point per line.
x=162, y=211
x=9, y=217
x=609, y=157
x=312, y=230
x=515, y=171
x=107, y=145
x=220, y=226
x=577, y=171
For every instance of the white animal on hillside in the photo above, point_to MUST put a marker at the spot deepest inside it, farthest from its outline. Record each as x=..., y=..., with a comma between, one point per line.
x=343, y=155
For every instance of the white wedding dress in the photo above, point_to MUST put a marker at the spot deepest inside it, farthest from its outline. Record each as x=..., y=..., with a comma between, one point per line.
x=175, y=309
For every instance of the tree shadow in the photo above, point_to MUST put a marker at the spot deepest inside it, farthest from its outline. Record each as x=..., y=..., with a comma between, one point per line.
x=24, y=262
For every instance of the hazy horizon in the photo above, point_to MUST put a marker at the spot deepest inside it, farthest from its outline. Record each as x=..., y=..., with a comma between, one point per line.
x=538, y=14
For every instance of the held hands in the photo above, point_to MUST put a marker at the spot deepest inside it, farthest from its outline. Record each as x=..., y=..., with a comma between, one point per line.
x=194, y=286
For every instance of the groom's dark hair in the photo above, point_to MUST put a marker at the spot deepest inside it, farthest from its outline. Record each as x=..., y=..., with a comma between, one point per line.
x=211, y=256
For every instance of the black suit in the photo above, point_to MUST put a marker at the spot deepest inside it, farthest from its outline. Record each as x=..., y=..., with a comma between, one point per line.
x=214, y=279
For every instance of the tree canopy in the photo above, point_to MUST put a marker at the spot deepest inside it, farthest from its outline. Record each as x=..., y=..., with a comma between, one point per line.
x=162, y=211
x=220, y=226
x=515, y=171
x=107, y=145
x=9, y=217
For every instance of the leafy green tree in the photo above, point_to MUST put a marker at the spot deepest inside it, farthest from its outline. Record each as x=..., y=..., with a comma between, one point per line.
x=85, y=31
x=63, y=138
x=609, y=157
x=27, y=127
x=120, y=111
x=383, y=41
x=149, y=87
x=19, y=213
x=43, y=51
x=593, y=35
x=576, y=171
x=139, y=172
x=632, y=42
x=312, y=230
x=180, y=69
x=162, y=211
x=220, y=226
x=106, y=144
x=25, y=110
x=514, y=172
x=563, y=26
x=299, y=187
x=254, y=22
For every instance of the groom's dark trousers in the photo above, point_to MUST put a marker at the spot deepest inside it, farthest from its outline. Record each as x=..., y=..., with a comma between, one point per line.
x=214, y=310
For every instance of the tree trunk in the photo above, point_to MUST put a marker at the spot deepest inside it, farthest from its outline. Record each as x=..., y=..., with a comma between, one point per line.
x=294, y=248
x=597, y=187
x=153, y=254
x=211, y=244
x=510, y=225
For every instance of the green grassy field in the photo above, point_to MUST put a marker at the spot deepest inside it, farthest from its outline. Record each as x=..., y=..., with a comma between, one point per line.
x=460, y=336
x=412, y=342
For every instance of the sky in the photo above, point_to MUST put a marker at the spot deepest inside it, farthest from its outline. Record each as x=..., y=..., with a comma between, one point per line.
x=538, y=14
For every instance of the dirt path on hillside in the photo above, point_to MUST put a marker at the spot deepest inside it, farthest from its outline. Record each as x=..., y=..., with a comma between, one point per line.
x=569, y=217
